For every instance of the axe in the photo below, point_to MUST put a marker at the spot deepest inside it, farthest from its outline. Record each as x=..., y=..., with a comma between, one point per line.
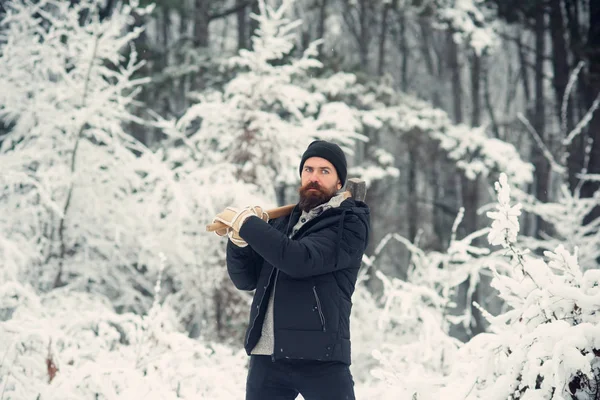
x=355, y=188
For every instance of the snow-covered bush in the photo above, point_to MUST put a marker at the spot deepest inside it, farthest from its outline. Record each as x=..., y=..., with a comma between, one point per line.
x=566, y=216
x=545, y=346
x=72, y=345
x=412, y=316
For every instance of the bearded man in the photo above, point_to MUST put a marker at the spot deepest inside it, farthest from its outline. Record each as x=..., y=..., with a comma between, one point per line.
x=304, y=268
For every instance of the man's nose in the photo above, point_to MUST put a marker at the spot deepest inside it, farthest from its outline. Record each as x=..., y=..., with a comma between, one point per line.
x=313, y=177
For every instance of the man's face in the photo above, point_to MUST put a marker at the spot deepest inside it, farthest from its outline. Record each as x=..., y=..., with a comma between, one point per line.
x=320, y=182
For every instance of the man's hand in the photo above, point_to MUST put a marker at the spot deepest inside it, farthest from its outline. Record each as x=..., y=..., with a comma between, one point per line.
x=234, y=219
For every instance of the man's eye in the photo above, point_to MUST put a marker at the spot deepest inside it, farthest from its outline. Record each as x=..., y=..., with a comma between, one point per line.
x=325, y=171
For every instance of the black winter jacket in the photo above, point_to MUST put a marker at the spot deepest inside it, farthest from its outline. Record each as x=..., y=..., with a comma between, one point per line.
x=313, y=276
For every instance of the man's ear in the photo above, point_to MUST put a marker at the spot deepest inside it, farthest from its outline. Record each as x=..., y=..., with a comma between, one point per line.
x=339, y=185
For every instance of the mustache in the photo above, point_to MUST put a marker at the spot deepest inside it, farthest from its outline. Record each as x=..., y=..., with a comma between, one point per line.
x=312, y=185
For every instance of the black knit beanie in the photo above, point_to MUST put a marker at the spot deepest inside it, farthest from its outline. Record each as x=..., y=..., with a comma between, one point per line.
x=329, y=151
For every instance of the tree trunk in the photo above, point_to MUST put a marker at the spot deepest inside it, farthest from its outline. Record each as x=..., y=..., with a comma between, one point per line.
x=165, y=22
x=363, y=44
x=593, y=91
x=469, y=193
x=382, y=38
x=573, y=26
x=512, y=81
x=242, y=25
x=356, y=14
x=412, y=207
x=475, y=89
x=470, y=198
x=560, y=61
x=201, y=21
x=168, y=103
x=184, y=81
x=542, y=166
x=470, y=188
x=404, y=50
x=425, y=45
x=485, y=76
x=524, y=70
x=321, y=25
x=439, y=194
x=575, y=159
x=529, y=222
x=454, y=66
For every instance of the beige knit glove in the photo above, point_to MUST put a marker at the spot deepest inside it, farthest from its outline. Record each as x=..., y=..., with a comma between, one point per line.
x=235, y=218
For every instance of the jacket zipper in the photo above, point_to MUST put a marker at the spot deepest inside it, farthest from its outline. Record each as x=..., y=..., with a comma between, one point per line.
x=287, y=230
x=321, y=315
x=258, y=312
x=274, y=288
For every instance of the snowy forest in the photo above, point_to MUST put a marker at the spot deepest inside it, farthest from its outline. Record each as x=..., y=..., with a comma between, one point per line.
x=125, y=126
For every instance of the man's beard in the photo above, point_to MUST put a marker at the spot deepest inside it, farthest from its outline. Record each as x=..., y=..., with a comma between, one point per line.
x=311, y=199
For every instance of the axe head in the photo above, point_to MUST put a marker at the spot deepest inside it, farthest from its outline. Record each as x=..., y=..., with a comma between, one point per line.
x=358, y=188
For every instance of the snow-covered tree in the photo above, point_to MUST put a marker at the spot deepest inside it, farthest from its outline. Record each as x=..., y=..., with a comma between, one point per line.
x=471, y=21
x=477, y=154
x=72, y=179
x=84, y=204
x=251, y=135
x=355, y=102
x=399, y=123
x=545, y=346
x=241, y=145
x=380, y=109
x=568, y=215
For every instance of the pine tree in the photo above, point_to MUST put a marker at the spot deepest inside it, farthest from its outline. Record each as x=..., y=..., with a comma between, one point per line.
x=83, y=203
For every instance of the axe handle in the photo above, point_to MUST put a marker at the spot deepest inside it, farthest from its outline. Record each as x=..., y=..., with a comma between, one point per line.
x=273, y=213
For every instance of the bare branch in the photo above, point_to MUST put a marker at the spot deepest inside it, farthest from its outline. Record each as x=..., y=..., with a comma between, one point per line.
x=567, y=94
x=556, y=167
x=586, y=163
x=589, y=177
x=583, y=123
x=521, y=44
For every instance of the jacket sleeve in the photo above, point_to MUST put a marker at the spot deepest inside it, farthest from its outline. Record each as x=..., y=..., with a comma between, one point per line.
x=243, y=266
x=314, y=254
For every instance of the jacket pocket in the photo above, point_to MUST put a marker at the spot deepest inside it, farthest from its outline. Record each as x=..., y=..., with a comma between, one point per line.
x=319, y=308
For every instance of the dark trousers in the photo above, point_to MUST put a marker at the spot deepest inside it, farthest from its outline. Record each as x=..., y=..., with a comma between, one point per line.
x=284, y=379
